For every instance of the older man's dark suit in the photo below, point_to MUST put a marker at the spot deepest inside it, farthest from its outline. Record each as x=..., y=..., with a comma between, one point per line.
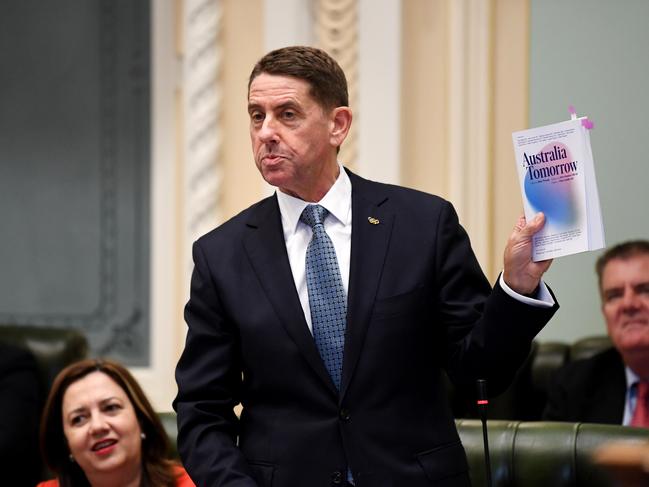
x=591, y=390
x=417, y=302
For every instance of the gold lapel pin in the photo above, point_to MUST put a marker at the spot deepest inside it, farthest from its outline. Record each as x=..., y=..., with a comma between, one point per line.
x=372, y=220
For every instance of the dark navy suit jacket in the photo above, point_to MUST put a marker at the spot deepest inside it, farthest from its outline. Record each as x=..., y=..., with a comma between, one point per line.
x=590, y=391
x=418, y=304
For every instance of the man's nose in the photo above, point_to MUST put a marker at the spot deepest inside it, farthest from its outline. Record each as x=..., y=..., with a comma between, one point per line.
x=630, y=299
x=268, y=130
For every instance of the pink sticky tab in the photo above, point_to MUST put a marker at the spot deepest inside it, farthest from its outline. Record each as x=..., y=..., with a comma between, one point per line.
x=587, y=123
x=571, y=110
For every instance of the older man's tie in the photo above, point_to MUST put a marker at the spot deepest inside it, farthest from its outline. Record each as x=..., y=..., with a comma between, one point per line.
x=641, y=413
x=327, y=298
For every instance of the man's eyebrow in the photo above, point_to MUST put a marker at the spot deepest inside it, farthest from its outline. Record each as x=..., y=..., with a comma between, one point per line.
x=611, y=289
x=287, y=104
x=288, y=100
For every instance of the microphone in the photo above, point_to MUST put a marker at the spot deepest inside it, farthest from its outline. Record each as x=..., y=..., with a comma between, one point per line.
x=482, y=402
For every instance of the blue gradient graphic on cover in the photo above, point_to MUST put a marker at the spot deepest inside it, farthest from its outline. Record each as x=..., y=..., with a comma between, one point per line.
x=550, y=185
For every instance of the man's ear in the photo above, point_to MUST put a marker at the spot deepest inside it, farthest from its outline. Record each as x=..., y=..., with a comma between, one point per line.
x=341, y=121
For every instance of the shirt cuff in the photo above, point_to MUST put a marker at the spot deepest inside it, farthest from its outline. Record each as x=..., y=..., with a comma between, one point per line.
x=543, y=297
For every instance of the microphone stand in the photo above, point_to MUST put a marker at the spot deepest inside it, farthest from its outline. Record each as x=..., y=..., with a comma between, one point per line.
x=482, y=403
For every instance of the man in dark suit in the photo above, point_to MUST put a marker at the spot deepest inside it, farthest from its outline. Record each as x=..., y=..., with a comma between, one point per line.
x=605, y=388
x=345, y=388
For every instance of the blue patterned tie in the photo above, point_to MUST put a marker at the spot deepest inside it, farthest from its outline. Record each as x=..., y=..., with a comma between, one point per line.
x=327, y=298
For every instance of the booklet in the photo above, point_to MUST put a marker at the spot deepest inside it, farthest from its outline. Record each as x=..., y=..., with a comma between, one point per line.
x=557, y=176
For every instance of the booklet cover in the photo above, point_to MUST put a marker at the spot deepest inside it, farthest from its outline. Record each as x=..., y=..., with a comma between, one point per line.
x=557, y=176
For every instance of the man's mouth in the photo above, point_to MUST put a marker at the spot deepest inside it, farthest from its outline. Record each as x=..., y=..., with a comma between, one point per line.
x=635, y=323
x=271, y=158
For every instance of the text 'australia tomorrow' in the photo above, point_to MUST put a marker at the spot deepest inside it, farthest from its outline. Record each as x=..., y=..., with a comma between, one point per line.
x=556, y=154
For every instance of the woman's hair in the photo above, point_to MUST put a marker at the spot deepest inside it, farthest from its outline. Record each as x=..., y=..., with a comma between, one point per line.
x=157, y=469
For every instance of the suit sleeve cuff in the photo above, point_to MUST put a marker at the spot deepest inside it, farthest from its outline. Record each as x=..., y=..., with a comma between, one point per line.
x=543, y=297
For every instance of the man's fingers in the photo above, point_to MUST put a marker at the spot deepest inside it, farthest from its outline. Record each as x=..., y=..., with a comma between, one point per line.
x=533, y=225
x=520, y=223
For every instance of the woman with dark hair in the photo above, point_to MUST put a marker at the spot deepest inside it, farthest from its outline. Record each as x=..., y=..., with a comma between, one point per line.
x=99, y=429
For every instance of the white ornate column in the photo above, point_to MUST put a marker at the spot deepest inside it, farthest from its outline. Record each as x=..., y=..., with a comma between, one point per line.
x=185, y=176
x=336, y=27
x=200, y=132
x=379, y=90
x=287, y=23
x=470, y=124
x=167, y=328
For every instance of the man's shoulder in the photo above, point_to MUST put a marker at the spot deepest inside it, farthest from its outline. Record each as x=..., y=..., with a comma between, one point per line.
x=589, y=390
x=600, y=365
x=397, y=193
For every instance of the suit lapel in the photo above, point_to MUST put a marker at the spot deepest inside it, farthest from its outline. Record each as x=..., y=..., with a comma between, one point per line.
x=371, y=230
x=266, y=250
x=612, y=397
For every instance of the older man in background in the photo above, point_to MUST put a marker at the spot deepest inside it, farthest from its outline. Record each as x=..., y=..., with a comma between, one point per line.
x=613, y=386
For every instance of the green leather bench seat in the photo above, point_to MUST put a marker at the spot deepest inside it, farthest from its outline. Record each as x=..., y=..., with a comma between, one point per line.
x=524, y=454
x=541, y=454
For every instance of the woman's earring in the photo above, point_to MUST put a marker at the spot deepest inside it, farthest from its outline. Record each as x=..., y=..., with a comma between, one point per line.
x=71, y=458
x=143, y=435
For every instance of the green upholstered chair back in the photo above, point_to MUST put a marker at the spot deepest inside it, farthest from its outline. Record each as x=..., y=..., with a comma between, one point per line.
x=168, y=420
x=53, y=348
x=588, y=346
x=526, y=397
x=541, y=454
x=523, y=454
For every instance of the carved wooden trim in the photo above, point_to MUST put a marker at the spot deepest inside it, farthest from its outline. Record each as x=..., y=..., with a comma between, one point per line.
x=336, y=27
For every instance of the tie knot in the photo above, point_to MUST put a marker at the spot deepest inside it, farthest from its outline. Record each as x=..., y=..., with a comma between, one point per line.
x=314, y=215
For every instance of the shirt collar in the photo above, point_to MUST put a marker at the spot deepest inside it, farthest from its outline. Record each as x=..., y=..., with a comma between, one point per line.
x=631, y=377
x=337, y=201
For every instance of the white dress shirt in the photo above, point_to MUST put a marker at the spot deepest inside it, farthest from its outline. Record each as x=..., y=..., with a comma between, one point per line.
x=631, y=397
x=297, y=235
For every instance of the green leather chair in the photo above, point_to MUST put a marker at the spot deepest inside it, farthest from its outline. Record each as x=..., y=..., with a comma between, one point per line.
x=168, y=420
x=541, y=454
x=53, y=348
x=525, y=399
x=588, y=346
